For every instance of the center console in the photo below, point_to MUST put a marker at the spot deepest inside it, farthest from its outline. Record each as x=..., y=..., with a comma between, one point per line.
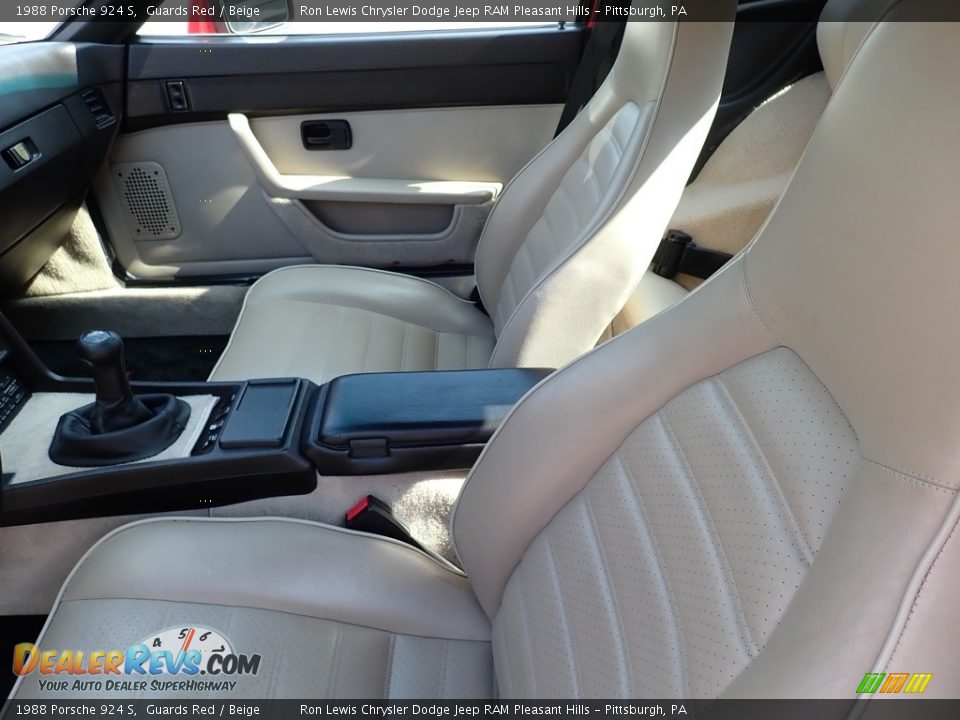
x=224, y=442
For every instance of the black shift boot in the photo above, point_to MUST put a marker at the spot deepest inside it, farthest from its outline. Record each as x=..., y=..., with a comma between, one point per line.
x=119, y=427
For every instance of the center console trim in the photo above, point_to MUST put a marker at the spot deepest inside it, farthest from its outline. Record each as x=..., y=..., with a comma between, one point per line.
x=211, y=476
x=218, y=477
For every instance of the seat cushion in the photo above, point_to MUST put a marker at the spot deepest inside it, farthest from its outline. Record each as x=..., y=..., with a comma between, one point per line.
x=322, y=321
x=653, y=295
x=331, y=612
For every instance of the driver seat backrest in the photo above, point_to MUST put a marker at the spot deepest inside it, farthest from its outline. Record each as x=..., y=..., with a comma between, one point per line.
x=755, y=492
x=572, y=233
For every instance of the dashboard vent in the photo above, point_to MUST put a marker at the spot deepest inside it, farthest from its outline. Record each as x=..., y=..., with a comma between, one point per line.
x=145, y=192
x=98, y=107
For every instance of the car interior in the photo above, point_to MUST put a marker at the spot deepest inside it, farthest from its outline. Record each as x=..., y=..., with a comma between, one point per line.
x=543, y=361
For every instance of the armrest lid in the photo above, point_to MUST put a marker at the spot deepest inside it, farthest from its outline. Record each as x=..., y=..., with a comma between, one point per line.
x=394, y=422
x=422, y=408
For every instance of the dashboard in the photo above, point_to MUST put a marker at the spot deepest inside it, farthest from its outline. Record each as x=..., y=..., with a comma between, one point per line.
x=60, y=107
x=13, y=393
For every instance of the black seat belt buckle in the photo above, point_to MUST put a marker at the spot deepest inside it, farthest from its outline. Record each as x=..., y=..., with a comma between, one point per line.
x=373, y=515
x=679, y=254
x=669, y=255
x=477, y=300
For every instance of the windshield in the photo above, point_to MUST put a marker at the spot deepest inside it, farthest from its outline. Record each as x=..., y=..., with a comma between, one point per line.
x=24, y=23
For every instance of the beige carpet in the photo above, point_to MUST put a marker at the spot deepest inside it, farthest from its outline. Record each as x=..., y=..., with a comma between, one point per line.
x=423, y=501
x=79, y=265
x=76, y=291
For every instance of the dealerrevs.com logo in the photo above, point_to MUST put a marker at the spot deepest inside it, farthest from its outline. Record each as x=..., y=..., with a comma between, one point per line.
x=171, y=660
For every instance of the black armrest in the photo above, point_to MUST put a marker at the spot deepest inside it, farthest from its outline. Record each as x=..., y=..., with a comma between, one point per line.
x=397, y=422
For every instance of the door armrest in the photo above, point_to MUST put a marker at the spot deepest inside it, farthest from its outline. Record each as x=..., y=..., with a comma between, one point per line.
x=350, y=189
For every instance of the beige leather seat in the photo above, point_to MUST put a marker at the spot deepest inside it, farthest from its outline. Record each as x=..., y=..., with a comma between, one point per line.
x=562, y=250
x=755, y=493
x=733, y=194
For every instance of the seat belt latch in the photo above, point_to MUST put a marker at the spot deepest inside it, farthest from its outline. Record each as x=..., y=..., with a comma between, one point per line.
x=666, y=261
x=678, y=253
x=373, y=515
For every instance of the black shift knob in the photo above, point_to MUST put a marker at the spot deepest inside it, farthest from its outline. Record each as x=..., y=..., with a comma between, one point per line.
x=103, y=351
x=118, y=426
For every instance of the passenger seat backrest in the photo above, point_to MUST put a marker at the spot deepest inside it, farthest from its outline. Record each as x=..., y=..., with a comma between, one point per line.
x=749, y=494
x=568, y=240
x=733, y=194
x=843, y=26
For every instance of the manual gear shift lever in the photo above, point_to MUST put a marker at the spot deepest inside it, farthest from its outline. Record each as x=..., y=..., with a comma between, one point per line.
x=116, y=407
x=118, y=426
x=103, y=351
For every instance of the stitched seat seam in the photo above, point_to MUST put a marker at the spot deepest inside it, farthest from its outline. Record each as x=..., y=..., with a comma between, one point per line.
x=609, y=582
x=527, y=632
x=733, y=591
x=561, y=606
x=799, y=540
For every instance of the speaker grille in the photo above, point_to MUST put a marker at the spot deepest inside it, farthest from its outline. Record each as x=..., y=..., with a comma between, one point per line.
x=151, y=213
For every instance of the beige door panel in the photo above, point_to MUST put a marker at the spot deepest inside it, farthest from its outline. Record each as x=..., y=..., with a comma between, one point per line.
x=414, y=190
x=226, y=224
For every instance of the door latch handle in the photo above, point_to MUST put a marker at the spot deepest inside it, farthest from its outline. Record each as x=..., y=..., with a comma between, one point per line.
x=326, y=135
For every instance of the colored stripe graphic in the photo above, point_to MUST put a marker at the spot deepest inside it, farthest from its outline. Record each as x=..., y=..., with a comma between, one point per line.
x=918, y=682
x=870, y=683
x=894, y=683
